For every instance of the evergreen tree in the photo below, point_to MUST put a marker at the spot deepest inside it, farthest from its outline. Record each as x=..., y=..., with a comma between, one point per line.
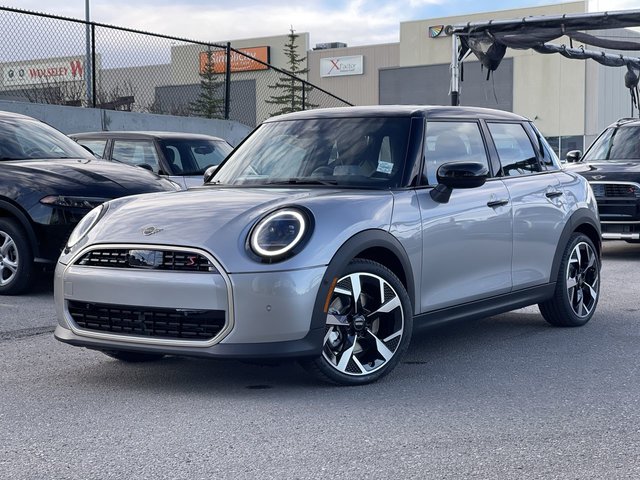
x=289, y=95
x=210, y=101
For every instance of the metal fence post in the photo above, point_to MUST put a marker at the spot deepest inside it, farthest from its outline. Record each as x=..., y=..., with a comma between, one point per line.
x=93, y=64
x=227, y=83
x=304, y=84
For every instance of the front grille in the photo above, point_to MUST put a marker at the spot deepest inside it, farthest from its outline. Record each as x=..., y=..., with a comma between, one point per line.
x=161, y=323
x=615, y=190
x=147, y=259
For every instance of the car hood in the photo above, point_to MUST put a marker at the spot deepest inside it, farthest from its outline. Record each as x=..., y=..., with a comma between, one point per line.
x=218, y=219
x=612, y=171
x=82, y=177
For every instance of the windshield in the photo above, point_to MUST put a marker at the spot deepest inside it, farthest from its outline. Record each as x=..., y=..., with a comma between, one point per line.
x=193, y=156
x=615, y=144
x=22, y=139
x=353, y=152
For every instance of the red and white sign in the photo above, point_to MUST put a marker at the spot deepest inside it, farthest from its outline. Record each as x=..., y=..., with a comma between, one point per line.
x=43, y=72
x=339, y=66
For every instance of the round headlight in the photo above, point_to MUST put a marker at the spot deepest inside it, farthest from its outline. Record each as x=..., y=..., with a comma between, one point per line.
x=277, y=234
x=86, y=224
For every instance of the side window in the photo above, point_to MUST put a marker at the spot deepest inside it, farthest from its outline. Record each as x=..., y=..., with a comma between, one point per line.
x=449, y=142
x=96, y=146
x=516, y=153
x=140, y=153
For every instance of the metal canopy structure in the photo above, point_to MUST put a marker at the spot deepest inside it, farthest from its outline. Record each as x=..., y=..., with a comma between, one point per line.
x=489, y=41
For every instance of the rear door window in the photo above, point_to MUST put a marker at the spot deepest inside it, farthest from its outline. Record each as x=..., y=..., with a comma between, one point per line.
x=515, y=151
x=140, y=153
x=96, y=146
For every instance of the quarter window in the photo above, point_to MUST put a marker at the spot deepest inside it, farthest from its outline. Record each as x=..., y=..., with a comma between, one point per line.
x=451, y=142
x=516, y=153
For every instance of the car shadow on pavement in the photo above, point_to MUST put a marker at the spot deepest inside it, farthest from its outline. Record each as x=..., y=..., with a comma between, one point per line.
x=437, y=351
x=620, y=250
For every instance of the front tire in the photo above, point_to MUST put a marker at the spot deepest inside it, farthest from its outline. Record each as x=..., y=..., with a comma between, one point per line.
x=368, y=328
x=16, y=258
x=577, y=287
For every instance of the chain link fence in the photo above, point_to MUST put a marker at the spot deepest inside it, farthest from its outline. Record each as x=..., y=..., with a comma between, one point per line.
x=62, y=61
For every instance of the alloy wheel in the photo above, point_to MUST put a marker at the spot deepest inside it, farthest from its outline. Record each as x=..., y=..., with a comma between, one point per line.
x=582, y=279
x=8, y=259
x=365, y=324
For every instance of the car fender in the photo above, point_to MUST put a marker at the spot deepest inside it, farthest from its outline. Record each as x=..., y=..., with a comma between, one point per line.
x=16, y=212
x=348, y=251
x=580, y=217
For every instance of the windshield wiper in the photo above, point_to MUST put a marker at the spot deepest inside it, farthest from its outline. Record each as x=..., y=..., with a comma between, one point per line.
x=301, y=181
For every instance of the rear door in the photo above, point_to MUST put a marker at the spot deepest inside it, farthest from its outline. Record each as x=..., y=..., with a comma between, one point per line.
x=538, y=201
x=467, y=242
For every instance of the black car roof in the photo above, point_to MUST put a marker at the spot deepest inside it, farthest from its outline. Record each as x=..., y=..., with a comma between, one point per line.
x=426, y=111
x=634, y=122
x=144, y=134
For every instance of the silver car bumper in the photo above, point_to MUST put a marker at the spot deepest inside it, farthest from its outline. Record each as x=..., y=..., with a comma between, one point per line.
x=263, y=314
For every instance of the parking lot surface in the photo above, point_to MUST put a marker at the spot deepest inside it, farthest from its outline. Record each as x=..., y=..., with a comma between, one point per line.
x=503, y=397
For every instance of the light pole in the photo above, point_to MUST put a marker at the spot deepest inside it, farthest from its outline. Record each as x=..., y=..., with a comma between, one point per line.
x=87, y=62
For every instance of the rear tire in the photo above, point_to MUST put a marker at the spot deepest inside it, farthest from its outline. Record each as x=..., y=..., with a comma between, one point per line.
x=16, y=258
x=577, y=287
x=133, y=357
x=368, y=329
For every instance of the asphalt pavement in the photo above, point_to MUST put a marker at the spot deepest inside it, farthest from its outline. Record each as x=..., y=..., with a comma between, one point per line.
x=506, y=397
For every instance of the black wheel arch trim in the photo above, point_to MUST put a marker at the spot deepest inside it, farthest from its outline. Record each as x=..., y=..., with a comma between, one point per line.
x=580, y=217
x=360, y=242
x=17, y=213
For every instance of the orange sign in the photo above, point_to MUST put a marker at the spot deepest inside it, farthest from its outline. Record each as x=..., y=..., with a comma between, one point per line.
x=239, y=62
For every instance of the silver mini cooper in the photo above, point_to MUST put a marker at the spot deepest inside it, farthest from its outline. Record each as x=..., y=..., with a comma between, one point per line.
x=328, y=234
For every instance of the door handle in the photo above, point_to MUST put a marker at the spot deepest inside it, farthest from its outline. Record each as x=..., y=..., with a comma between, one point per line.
x=497, y=203
x=553, y=194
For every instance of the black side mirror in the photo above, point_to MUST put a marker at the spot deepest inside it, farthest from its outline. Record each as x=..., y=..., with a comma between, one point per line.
x=458, y=175
x=210, y=172
x=574, y=156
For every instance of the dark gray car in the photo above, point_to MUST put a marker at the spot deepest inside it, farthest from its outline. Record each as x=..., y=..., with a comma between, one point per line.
x=327, y=234
x=181, y=157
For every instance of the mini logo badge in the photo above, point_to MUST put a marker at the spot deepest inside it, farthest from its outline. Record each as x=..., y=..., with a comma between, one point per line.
x=146, y=231
x=598, y=177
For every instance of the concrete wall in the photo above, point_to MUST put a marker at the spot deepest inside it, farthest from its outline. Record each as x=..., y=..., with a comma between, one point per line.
x=76, y=119
x=357, y=89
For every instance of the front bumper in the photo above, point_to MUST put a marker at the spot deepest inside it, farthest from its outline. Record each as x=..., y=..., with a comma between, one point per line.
x=266, y=314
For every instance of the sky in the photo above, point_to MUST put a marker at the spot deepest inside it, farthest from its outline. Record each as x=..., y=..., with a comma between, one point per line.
x=355, y=22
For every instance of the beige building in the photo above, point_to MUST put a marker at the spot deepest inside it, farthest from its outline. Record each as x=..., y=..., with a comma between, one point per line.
x=571, y=101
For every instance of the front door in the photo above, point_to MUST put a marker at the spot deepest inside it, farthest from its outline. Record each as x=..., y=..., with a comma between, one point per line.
x=467, y=242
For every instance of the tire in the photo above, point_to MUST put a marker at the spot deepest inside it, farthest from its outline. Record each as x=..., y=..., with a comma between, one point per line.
x=365, y=338
x=133, y=357
x=16, y=258
x=578, y=285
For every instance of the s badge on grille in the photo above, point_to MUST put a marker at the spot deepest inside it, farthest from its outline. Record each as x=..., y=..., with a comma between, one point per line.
x=146, y=231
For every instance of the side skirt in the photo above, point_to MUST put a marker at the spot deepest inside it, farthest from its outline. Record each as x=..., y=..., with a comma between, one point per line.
x=487, y=307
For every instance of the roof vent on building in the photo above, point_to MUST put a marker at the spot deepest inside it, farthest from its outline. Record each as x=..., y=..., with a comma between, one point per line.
x=326, y=46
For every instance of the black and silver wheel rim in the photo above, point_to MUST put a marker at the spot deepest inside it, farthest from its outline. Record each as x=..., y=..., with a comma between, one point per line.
x=583, y=279
x=365, y=324
x=8, y=259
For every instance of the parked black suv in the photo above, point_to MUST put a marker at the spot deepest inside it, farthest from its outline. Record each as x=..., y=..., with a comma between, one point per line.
x=613, y=162
x=47, y=184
